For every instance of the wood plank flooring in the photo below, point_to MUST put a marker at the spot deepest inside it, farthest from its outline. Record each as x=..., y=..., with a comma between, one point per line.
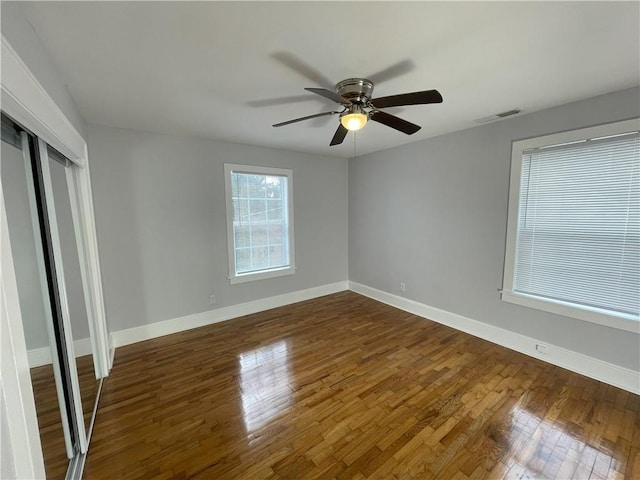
x=348, y=388
x=48, y=412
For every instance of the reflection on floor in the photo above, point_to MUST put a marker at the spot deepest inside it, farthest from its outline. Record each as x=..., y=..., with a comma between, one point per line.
x=48, y=411
x=264, y=382
x=346, y=387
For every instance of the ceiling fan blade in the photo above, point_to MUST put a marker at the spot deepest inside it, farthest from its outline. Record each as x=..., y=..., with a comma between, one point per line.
x=395, y=122
x=298, y=65
x=395, y=70
x=415, y=98
x=339, y=136
x=282, y=124
x=330, y=95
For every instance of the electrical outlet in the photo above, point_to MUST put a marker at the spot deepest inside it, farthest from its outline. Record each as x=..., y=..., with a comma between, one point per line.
x=403, y=287
x=212, y=299
x=541, y=348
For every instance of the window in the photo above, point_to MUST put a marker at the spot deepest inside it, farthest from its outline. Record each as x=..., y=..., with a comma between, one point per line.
x=259, y=222
x=573, y=236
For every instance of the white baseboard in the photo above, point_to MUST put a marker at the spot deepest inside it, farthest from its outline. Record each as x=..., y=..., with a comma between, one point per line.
x=39, y=357
x=175, y=325
x=612, y=374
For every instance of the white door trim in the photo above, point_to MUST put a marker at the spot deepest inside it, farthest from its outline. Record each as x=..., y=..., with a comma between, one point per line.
x=24, y=452
x=28, y=103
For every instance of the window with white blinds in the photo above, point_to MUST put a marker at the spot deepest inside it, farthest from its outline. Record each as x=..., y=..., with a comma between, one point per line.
x=259, y=222
x=574, y=226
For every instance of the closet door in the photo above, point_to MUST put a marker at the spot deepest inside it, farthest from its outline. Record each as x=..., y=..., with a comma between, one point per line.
x=69, y=287
x=38, y=307
x=69, y=239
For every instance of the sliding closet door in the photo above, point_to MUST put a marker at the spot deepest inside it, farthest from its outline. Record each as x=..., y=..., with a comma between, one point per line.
x=37, y=310
x=69, y=300
x=62, y=189
x=46, y=230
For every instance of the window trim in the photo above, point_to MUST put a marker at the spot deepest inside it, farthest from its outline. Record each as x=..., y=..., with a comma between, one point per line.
x=628, y=323
x=233, y=277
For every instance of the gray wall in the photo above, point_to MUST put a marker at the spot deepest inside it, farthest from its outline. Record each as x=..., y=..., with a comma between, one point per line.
x=433, y=214
x=160, y=211
x=25, y=41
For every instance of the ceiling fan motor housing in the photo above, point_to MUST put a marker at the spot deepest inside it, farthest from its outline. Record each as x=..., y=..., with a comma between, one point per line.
x=357, y=90
x=355, y=97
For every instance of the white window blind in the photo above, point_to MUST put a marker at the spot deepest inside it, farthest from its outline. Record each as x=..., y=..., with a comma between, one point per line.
x=578, y=229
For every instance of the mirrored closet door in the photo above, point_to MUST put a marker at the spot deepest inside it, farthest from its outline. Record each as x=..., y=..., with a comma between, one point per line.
x=46, y=244
x=58, y=169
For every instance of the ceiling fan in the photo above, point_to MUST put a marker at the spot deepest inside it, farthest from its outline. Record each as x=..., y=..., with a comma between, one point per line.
x=354, y=95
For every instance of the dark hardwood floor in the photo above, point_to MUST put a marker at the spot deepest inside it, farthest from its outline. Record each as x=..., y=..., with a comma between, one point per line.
x=48, y=412
x=348, y=388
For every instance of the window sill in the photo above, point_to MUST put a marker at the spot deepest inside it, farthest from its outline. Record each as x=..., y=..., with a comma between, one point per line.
x=627, y=323
x=262, y=275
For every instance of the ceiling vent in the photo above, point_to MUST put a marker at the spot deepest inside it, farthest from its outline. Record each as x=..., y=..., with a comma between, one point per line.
x=498, y=116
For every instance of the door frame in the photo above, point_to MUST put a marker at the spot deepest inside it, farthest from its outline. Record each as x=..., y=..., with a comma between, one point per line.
x=28, y=103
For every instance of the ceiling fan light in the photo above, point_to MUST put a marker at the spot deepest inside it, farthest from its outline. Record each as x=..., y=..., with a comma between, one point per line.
x=354, y=121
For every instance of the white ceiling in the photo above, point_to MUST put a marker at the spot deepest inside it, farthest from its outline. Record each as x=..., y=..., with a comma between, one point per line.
x=229, y=70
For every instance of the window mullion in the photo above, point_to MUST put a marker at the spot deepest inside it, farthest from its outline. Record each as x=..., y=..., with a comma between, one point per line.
x=249, y=221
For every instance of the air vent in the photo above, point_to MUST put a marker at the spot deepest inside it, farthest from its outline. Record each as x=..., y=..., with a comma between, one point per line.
x=498, y=116
x=508, y=114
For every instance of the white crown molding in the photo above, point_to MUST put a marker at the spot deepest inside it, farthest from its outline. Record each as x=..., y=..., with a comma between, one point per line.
x=174, y=325
x=612, y=374
x=28, y=103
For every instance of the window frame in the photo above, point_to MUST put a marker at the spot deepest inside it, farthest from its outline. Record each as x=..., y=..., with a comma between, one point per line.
x=234, y=277
x=628, y=323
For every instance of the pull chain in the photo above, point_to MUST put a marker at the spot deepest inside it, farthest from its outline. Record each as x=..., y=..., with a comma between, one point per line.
x=354, y=144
